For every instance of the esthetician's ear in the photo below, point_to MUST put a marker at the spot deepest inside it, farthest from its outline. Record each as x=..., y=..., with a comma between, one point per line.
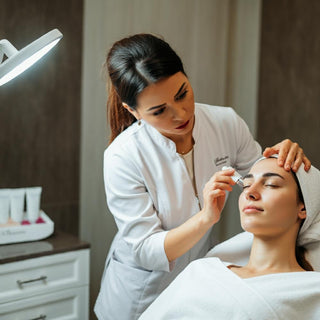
x=132, y=111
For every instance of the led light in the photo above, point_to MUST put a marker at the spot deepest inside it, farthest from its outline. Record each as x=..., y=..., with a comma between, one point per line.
x=19, y=61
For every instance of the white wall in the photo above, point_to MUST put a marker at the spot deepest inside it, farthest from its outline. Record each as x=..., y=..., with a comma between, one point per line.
x=218, y=43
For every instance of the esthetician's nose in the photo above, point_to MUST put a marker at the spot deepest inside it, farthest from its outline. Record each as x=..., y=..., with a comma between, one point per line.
x=178, y=112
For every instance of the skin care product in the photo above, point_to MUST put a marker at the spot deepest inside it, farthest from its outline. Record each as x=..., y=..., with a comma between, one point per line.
x=17, y=203
x=33, y=203
x=4, y=205
x=237, y=178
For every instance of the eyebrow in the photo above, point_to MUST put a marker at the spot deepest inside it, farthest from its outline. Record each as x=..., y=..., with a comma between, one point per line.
x=265, y=175
x=180, y=89
x=163, y=104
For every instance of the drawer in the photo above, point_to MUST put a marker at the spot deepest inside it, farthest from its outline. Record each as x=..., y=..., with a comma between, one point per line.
x=43, y=275
x=67, y=304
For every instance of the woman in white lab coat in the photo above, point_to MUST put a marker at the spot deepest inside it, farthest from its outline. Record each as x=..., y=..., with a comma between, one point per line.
x=164, y=148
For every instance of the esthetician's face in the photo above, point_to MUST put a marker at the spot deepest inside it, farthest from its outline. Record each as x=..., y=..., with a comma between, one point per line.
x=168, y=106
x=268, y=204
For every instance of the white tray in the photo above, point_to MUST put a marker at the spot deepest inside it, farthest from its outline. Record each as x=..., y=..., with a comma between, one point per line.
x=28, y=232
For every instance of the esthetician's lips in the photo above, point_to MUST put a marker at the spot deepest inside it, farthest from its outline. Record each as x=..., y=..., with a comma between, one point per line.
x=183, y=126
x=252, y=209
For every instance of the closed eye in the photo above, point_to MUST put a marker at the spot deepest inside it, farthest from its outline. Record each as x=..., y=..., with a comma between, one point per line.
x=272, y=185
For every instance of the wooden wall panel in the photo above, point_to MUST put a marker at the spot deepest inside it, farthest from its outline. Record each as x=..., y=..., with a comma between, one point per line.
x=40, y=110
x=289, y=91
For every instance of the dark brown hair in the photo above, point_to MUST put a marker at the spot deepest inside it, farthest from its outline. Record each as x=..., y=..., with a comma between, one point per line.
x=301, y=251
x=132, y=64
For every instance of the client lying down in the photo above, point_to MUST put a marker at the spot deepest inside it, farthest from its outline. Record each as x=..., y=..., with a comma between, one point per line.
x=282, y=211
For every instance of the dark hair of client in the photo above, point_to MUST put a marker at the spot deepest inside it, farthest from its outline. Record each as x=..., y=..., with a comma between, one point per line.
x=300, y=251
x=133, y=63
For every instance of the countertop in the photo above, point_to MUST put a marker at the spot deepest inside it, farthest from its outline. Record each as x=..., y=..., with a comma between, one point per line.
x=58, y=242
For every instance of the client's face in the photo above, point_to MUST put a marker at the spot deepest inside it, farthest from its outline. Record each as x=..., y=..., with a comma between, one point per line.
x=268, y=204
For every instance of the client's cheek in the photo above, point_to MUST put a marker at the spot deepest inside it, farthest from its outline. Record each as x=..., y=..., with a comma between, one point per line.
x=241, y=201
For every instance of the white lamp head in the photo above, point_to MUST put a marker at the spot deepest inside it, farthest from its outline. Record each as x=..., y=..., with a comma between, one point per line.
x=19, y=61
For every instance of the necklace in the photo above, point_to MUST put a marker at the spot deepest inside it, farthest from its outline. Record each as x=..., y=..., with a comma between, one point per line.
x=187, y=150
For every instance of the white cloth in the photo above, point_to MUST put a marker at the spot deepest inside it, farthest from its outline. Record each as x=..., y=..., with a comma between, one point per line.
x=207, y=289
x=149, y=191
x=310, y=187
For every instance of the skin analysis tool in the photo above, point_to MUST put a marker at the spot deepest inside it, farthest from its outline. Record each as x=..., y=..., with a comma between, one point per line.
x=237, y=178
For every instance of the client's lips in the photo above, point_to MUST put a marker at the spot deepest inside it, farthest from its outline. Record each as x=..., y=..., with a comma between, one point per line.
x=252, y=209
x=183, y=125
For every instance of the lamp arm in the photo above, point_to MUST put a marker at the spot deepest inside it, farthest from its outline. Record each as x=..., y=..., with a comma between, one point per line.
x=6, y=48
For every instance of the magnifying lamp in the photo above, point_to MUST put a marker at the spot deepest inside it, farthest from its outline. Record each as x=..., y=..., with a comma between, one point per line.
x=18, y=61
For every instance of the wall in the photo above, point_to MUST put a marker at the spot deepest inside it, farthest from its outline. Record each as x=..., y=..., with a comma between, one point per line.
x=218, y=42
x=289, y=92
x=40, y=110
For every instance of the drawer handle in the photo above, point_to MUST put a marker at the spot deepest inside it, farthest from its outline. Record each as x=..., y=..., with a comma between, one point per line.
x=41, y=317
x=21, y=283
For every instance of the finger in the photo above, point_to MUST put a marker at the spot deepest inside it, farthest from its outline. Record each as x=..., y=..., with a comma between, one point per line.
x=299, y=160
x=281, y=149
x=283, y=152
x=223, y=176
x=295, y=153
x=307, y=163
x=269, y=151
x=221, y=186
x=217, y=193
x=296, y=165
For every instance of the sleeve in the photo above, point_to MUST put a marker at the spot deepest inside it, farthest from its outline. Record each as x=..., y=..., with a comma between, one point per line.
x=132, y=207
x=247, y=149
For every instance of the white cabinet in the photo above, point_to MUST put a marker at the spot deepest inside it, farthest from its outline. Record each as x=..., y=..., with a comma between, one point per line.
x=49, y=287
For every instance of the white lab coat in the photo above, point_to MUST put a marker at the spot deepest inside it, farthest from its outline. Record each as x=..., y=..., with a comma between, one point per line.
x=150, y=192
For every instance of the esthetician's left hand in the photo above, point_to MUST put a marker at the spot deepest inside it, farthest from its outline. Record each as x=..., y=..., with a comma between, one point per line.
x=290, y=153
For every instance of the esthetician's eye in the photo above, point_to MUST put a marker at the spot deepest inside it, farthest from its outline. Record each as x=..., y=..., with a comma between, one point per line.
x=182, y=95
x=159, y=111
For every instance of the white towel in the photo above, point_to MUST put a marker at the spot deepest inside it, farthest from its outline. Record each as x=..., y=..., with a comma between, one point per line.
x=310, y=187
x=207, y=289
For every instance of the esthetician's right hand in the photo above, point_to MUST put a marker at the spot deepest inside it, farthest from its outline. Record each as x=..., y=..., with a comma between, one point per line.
x=214, y=195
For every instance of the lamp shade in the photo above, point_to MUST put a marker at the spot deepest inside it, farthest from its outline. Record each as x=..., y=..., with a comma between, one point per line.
x=19, y=60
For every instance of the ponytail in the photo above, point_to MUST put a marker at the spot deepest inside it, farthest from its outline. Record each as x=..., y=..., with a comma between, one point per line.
x=118, y=117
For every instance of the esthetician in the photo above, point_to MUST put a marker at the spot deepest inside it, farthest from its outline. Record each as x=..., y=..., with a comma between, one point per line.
x=164, y=148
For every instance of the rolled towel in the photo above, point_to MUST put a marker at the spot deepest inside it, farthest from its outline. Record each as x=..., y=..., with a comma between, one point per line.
x=310, y=187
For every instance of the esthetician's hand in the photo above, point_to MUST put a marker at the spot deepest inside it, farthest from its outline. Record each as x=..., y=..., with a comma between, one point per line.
x=291, y=155
x=214, y=195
